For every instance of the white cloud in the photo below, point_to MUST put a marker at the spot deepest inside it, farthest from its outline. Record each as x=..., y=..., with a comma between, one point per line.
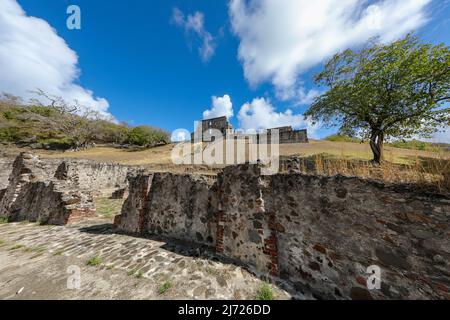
x=221, y=106
x=180, y=135
x=32, y=56
x=281, y=39
x=260, y=114
x=442, y=136
x=194, y=24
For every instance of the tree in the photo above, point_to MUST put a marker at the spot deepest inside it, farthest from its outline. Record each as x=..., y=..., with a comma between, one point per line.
x=79, y=123
x=147, y=136
x=397, y=90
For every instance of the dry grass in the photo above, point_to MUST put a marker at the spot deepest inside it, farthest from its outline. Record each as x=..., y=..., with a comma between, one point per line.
x=430, y=173
x=330, y=158
x=108, y=208
x=161, y=156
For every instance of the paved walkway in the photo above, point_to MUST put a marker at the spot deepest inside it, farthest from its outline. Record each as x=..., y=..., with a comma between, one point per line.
x=35, y=262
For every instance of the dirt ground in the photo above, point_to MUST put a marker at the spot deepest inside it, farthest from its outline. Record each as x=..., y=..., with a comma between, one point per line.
x=42, y=262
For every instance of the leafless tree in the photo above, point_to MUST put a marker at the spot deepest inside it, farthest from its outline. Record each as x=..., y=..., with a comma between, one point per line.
x=77, y=122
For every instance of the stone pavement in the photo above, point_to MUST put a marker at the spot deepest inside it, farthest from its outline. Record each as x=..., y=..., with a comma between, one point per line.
x=34, y=262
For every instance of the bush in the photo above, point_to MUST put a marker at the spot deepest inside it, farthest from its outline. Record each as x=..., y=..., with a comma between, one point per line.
x=12, y=135
x=265, y=293
x=146, y=136
x=342, y=138
x=413, y=145
x=56, y=143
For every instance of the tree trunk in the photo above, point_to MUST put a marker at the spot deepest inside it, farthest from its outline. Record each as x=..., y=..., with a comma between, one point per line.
x=376, y=144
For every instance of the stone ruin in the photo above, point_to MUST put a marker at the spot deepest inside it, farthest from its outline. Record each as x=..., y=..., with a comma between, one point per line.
x=286, y=134
x=55, y=192
x=318, y=234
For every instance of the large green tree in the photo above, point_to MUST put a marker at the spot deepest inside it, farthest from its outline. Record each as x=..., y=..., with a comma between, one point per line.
x=397, y=90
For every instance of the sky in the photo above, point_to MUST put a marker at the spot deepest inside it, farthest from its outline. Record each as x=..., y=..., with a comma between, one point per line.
x=168, y=63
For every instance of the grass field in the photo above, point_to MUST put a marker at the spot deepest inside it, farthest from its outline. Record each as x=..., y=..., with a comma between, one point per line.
x=162, y=155
x=324, y=157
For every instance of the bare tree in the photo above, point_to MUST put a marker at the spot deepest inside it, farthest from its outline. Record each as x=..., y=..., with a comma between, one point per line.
x=79, y=123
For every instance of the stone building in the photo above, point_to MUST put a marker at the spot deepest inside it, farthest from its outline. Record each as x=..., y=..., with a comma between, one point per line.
x=206, y=127
x=286, y=134
x=289, y=135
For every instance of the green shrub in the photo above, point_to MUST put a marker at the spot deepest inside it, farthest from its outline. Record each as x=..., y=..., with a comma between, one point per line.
x=4, y=220
x=146, y=136
x=13, y=134
x=57, y=143
x=413, y=145
x=165, y=287
x=342, y=138
x=94, y=261
x=265, y=293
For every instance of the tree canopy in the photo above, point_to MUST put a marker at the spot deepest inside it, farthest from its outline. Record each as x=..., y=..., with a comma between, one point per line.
x=397, y=90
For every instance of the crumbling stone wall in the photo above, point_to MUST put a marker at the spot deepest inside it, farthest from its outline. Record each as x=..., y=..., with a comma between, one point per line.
x=5, y=171
x=243, y=223
x=289, y=135
x=180, y=206
x=330, y=230
x=34, y=194
x=55, y=191
x=94, y=176
x=319, y=233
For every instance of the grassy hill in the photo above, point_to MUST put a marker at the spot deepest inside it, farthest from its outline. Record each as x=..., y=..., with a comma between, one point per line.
x=428, y=168
x=57, y=128
x=342, y=150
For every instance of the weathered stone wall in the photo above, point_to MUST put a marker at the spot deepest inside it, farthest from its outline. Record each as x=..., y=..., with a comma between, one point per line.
x=243, y=224
x=5, y=171
x=180, y=206
x=319, y=233
x=95, y=176
x=57, y=191
x=34, y=194
x=330, y=230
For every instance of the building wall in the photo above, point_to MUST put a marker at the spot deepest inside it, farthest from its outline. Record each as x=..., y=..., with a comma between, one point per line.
x=57, y=191
x=318, y=233
x=220, y=124
x=5, y=171
x=179, y=206
x=286, y=134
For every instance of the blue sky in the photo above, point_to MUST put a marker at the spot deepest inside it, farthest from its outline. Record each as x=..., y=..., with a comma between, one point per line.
x=146, y=60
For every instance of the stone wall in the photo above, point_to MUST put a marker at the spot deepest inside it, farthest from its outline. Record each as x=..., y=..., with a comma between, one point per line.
x=330, y=230
x=57, y=191
x=92, y=175
x=319, y=233
x=5, y=171
x=179, y=206
x=289, y=135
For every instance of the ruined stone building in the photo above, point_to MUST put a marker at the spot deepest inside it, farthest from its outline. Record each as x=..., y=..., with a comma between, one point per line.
x=289, y=135
x=286, y=134
x=206, y=127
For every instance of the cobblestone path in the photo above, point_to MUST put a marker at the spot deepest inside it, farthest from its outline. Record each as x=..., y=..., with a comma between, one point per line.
x=35, y=262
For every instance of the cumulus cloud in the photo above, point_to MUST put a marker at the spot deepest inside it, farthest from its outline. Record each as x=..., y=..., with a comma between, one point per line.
x=221, y=106
x=32, y=56
x=281, y=39
x=261, y=114
x=194, y=25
